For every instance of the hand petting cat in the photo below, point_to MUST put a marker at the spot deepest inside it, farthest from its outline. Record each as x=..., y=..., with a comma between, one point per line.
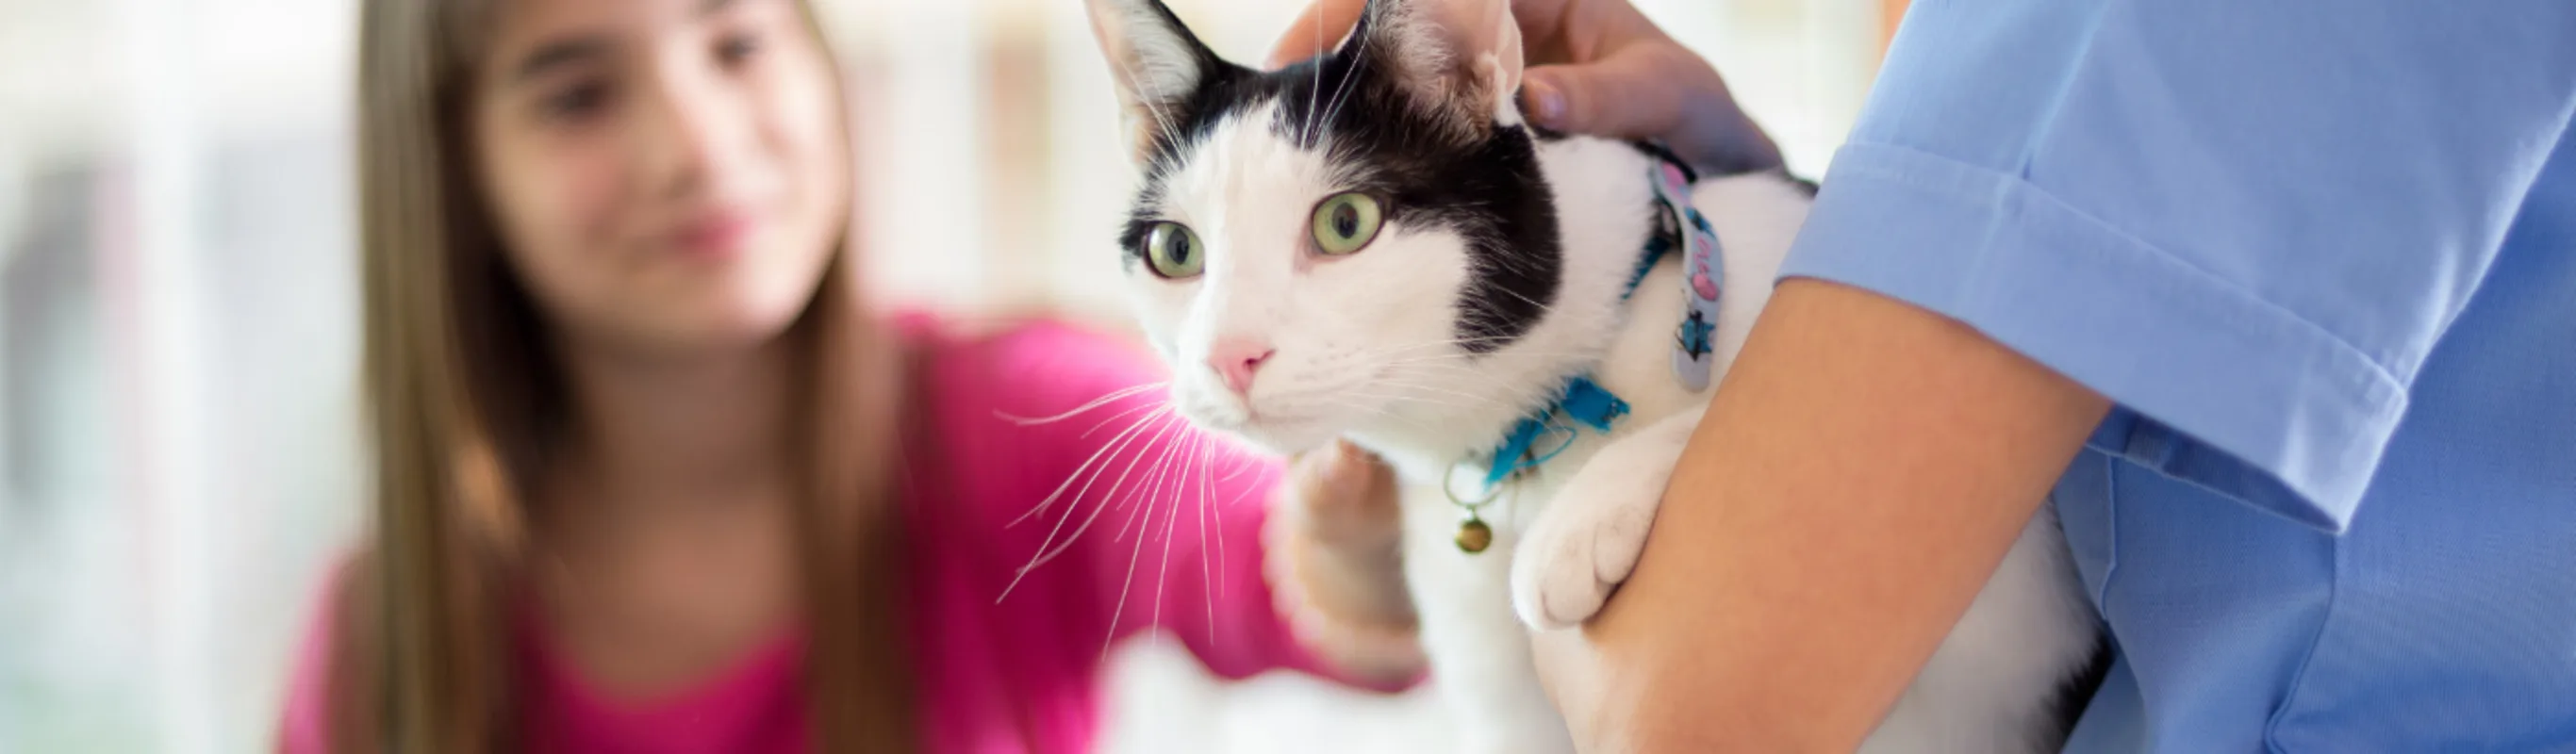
x=1597, y=67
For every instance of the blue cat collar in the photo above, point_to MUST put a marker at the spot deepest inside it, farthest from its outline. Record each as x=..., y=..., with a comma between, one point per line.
x=1679, y=227
x=1584, y=402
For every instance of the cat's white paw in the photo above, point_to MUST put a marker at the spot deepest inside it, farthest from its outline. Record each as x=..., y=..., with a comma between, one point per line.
x=1587, y=541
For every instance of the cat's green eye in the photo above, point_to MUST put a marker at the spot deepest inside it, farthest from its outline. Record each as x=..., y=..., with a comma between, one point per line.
x=1174, y=251
x=1345, y=222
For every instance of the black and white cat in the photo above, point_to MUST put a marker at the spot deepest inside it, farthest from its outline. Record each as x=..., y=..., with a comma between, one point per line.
x=1372, y=245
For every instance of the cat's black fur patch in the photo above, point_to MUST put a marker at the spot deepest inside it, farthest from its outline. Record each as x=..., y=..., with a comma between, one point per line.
x=1179, y=127
x=2074, y=696
x=1487, y=189
x=1805, y=186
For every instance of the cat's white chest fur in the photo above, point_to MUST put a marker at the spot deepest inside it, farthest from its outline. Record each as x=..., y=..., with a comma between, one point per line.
x=1480, y=652
x=1568, y=533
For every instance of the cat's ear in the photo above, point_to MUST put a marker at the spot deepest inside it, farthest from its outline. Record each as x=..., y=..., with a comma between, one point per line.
x=1458, y=59
x=1157, y=63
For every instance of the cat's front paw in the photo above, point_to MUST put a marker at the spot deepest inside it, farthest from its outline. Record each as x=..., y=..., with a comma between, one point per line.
x=1587, y=540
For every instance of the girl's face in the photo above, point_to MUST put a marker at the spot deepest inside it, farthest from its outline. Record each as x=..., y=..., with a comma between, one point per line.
x=667, y=176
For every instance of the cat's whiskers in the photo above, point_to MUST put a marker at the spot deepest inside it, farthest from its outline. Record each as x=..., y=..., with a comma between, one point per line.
x=1095, y=403
x=1171, y=521
x=1210, y=590
x=1131, y=411
x=1314, y=87
x=1144, y=487
x=1148, y=484
x=1105, y=448
x=1110, y=449
x=1342, y=91
x=1049, y=549
x=1136, y=553
x=1544, y=309
x=1153, y=109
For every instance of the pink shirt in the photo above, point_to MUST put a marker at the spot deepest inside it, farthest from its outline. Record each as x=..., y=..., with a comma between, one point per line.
x=1152, y=534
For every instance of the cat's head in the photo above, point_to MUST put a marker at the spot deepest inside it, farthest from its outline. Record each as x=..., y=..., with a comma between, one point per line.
x=1342, y=243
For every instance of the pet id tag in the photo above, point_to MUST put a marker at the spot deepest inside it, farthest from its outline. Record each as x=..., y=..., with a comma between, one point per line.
x=1693, y=351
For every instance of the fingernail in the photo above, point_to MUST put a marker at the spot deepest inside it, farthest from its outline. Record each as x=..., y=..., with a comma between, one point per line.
x=1547, y=105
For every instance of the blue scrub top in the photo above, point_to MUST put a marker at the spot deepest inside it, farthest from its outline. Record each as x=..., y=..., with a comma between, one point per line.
x=2323, y=257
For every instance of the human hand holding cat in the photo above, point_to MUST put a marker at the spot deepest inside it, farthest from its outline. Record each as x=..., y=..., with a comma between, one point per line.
x=1596, y=67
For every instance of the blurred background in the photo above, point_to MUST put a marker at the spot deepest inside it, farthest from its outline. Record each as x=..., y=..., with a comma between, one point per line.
x=179, y=458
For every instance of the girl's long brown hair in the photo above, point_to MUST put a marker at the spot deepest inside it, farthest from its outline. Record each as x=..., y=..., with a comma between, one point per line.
x=465, y=401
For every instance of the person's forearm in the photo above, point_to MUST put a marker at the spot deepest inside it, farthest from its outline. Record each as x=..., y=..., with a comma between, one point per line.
x=1859, y=474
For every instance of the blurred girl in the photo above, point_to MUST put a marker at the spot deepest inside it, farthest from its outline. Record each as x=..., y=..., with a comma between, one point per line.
x=651, y=478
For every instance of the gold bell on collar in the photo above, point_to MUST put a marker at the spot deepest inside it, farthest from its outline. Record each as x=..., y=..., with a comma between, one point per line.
x=1474, y=536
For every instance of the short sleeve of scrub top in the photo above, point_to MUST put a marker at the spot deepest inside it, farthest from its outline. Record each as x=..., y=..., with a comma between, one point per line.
x=2252, y=225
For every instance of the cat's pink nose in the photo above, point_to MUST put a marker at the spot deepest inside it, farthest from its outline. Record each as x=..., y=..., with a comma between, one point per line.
x=1236, y=361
